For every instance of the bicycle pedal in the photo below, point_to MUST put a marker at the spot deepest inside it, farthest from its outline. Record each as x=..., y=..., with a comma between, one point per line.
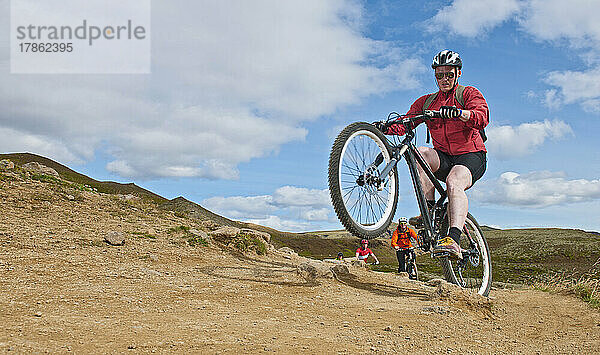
x=445, y=254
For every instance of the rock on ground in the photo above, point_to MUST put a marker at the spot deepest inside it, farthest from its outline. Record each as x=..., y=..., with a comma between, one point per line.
x=7, y=164
x=340, y=269
x=201, y=234
x=359, y=263
x=314, y=269
x=114, y=238
x=287, y=251
x=254, y=233
x=39, y=168
x=224, y=232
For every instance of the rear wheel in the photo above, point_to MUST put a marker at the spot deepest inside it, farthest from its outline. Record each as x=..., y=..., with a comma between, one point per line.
x=364, y=201
x=474, y=271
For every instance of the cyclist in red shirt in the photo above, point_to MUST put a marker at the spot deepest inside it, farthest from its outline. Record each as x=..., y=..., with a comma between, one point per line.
x=401, y=241
x=364, y=252
x=458, y=157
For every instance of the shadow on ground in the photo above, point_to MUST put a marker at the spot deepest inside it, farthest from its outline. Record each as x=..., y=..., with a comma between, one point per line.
x=351, y=280
x=267, y=275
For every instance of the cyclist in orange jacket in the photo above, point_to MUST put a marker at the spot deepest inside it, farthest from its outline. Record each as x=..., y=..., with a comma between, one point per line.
x=401, y=242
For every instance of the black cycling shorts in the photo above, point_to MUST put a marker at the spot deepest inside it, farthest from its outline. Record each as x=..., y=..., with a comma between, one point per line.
x=475, y=162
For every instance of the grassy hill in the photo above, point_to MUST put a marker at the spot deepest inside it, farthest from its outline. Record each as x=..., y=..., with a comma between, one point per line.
x=66, y=173
x=518, y=255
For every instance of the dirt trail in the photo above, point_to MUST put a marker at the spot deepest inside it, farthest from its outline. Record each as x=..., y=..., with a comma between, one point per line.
x=64, y=290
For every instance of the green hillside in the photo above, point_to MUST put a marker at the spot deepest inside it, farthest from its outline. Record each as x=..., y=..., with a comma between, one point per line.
x=518, y=255
x=66, y=173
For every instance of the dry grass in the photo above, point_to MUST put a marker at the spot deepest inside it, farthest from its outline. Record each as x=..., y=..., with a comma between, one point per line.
x=586, y=287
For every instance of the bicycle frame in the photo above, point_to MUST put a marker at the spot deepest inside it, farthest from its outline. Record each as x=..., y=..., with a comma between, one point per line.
x=412, y=156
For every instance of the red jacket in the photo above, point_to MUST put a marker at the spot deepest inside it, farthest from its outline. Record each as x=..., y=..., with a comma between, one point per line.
x=363, y=254
x=453, y=136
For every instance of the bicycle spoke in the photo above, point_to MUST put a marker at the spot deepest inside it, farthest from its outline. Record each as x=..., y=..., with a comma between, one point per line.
x=371, y=208
x=360, y=205
x=355, y=171
x=380, y=199
x=353, y=159
x=471, y=271
x=349, y=198
x=349, y=193
x=349, y=182
x=354, y=153
x=353, y=207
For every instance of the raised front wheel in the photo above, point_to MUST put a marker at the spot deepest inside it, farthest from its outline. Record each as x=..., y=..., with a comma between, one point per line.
x=364, y=201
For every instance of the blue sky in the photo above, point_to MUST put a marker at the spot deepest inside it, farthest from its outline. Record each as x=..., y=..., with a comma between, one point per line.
x=245, y=99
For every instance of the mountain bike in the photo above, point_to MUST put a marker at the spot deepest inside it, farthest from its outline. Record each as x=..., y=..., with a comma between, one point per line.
x=363, y=185
x=411, y=264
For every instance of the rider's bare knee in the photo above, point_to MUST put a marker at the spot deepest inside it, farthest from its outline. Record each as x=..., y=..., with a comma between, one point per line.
x=458, y=181
x=425, y=151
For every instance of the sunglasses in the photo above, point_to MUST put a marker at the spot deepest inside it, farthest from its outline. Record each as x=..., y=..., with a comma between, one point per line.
x=449, y=75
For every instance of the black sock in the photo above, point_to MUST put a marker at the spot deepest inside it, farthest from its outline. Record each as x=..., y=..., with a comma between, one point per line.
x=454, y=233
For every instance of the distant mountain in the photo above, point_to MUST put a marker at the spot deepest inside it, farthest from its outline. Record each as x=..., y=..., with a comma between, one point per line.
x=195, y=211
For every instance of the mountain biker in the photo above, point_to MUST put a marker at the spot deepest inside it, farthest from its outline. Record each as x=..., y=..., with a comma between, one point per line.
x=340, y=256
x=401, y=242
x=364, y=252
x=458, y=157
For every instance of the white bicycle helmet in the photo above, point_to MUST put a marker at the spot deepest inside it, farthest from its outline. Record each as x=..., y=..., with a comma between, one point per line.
x=447, y=57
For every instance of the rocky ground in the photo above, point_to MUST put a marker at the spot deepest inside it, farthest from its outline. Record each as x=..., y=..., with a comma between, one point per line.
x=89, y=272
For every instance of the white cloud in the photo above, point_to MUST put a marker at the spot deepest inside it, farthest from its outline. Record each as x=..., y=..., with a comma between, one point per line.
x=471, y=18
x=289, y=207
x=220, y=139
x=575, y=24
x=241, y=206
x=321, y=214
x=20, y=141
x=535, y=189
x=531, y=95
x=120, y=167
x=231, y=81
x=300, y=196
x=545, y=20
x=572, y=87
x=505, y=142
x=282, y=224
x=551, y=20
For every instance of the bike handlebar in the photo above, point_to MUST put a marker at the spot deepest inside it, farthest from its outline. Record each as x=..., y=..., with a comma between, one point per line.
x=427, y=115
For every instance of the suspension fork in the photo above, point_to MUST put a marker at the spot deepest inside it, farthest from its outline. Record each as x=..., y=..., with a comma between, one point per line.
x=396, y=156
